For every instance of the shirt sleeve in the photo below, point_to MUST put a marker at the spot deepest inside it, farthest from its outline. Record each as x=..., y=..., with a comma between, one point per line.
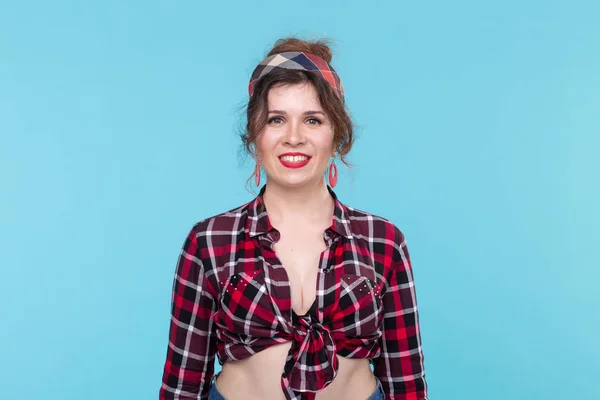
x=189, y=366
x=400, y=366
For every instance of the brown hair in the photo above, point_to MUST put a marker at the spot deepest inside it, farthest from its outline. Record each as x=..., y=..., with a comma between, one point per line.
x=256, y=111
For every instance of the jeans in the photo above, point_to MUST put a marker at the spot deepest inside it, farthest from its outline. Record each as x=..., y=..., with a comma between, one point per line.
x=377, y=394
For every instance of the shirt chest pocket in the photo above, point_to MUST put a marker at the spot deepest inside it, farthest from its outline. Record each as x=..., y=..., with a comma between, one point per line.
x=359, y=305
x=245, y=302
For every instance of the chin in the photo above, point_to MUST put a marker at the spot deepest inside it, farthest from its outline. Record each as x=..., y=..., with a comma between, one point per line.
x=294, y=183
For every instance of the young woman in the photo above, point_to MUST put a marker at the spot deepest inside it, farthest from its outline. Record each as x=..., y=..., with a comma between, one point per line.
x=296, y=293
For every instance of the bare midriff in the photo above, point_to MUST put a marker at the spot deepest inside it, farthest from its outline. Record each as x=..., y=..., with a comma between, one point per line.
x=259, y=377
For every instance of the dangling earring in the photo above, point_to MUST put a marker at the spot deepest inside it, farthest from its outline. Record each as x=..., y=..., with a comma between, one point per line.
x=257, y=174
x=333, y=174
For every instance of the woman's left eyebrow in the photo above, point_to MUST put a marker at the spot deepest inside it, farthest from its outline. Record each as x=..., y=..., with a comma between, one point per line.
x=313, y=112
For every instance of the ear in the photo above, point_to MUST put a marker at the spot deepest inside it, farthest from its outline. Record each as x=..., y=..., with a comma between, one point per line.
x=257, y=156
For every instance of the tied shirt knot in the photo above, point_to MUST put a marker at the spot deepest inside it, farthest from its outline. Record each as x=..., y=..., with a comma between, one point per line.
x=312, y=360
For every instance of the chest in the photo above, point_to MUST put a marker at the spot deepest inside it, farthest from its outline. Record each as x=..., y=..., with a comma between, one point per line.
x=301, y=254
x=265, y=280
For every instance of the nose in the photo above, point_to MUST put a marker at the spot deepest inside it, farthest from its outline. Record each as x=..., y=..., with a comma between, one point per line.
x=294, y=134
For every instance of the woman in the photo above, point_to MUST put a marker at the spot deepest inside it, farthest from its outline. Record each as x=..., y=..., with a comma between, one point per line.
x=298, y=301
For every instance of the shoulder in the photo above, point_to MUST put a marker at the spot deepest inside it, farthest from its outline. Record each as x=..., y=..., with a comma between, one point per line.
x=386, y=243
x=213, y=236
x=226, y=223
x=383, y=234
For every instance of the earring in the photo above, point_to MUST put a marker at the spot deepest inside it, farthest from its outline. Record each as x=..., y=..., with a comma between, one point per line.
x=333, y=174
x=257, y=174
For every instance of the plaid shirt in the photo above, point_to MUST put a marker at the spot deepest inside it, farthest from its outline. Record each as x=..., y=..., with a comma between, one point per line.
x=231, y=297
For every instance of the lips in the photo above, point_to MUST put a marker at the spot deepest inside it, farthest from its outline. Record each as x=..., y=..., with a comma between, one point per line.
x=294, y=160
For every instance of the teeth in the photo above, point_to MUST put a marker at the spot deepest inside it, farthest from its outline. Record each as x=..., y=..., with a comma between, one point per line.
x=294, y=158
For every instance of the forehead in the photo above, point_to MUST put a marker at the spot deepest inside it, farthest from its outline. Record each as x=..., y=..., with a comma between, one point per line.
x=298, y=96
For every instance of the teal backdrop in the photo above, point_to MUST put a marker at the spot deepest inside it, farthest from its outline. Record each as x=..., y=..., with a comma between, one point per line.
x=478, y=136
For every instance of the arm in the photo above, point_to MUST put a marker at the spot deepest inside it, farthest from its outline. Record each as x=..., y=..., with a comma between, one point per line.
x=400, y=366
x=189, y=366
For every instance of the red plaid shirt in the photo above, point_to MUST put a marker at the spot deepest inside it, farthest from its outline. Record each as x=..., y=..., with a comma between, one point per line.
x=231, y=297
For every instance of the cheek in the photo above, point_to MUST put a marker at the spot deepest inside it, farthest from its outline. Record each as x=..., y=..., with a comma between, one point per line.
x=264, y=144
x=327, y=144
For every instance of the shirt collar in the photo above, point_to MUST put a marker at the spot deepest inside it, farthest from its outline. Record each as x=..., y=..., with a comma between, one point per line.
x=258, y=221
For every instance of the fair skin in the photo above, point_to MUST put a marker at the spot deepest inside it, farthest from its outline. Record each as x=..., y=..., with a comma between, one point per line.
x=300, y=207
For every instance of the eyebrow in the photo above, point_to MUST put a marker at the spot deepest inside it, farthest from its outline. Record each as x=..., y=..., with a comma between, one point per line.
x=304, y=113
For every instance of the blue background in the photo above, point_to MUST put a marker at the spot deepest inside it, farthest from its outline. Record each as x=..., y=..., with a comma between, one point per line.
x=478, y=136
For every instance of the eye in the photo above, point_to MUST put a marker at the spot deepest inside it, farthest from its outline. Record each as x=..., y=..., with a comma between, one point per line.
x=314, y=121
x=275, y=120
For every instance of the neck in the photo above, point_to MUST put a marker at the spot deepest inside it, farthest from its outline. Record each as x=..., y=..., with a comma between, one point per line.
x=306, y=204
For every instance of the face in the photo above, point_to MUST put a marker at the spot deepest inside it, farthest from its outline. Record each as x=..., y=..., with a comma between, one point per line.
x=296, y=145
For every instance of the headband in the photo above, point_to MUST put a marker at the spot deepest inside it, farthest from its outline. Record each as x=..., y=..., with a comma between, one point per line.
x=300, y=61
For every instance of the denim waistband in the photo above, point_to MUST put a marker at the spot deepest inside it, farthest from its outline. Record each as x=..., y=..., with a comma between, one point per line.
x=214, y=393
x=378, y=393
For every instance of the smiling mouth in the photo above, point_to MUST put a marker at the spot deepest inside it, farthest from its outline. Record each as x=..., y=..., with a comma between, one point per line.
x=294, y=161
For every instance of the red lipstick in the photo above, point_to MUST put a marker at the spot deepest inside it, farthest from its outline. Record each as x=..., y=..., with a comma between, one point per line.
x=294, y=164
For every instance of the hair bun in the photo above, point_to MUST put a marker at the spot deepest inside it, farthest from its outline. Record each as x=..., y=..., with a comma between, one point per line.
x=319, y=48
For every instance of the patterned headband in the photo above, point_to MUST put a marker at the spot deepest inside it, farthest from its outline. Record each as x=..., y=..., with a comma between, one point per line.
x=301, y=61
